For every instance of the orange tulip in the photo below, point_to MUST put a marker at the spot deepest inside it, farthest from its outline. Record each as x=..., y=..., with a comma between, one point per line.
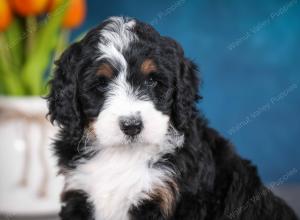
x=52, y=4
x=75, y=13
x=5, y=15
x=29, y=7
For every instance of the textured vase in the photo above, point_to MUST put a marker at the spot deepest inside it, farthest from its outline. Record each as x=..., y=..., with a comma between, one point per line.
x=29, y=184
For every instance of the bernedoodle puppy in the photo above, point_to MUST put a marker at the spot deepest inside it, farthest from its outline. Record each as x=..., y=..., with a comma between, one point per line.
x=132, y=144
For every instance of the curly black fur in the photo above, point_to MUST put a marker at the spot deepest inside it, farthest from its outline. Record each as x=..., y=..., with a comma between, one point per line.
x=213, y=181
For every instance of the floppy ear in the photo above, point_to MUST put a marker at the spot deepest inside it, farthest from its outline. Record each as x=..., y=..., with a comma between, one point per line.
x=62, y=99
x=186, y=94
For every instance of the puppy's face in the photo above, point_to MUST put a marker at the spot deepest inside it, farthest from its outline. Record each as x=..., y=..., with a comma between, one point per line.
x=126, y=82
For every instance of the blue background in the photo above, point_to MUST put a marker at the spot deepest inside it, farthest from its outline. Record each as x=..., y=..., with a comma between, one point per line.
x=248, y=53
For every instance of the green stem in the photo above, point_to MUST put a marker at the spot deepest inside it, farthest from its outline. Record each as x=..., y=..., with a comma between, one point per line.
x=31, y=28
x=11, y=81
x=62, y=42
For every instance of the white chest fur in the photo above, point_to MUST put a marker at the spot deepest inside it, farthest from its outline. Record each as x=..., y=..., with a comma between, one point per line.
x=117, y=178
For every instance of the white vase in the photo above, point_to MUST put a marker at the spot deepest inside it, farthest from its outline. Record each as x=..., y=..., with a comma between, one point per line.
x=29, y=184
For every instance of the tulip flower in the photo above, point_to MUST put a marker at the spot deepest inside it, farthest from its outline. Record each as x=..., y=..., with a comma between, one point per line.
x=5, y=15
x=75, y=13
x=52, y=5
x=30, y=41
x=29, y=7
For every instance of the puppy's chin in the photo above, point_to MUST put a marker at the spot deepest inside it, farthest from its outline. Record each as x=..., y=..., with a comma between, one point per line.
x=124, y=141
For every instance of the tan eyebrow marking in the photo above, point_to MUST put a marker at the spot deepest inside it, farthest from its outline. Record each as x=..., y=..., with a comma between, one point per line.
x=148, y=66
x=105, y=70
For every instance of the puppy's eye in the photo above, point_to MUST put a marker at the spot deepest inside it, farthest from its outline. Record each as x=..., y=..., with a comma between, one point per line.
x=102, y=82
x=99, y=85
x=150, y=82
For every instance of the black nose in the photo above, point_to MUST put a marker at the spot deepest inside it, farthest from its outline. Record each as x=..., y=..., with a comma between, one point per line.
x=131, y=125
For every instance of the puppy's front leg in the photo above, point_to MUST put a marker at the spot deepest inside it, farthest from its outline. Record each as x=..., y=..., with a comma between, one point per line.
x=76, y=206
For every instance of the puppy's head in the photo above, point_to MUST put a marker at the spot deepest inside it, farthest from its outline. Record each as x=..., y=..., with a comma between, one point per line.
x=126, y=82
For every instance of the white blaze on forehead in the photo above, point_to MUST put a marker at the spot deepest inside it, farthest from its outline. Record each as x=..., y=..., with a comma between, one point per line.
x=115, y=39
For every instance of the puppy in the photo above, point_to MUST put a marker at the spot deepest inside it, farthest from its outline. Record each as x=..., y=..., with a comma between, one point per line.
x=132, y=144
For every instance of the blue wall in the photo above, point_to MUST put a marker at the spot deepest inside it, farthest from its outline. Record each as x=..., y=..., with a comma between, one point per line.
x=249, y=56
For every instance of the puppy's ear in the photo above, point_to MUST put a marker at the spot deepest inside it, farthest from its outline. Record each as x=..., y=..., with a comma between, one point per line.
x=186, y=94
x=62, y=99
